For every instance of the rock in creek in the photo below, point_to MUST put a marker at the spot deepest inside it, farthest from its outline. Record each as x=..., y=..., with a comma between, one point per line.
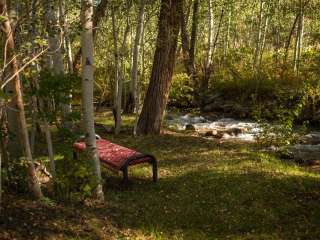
x=305, y=154
x=312, y=138
x=190, y=127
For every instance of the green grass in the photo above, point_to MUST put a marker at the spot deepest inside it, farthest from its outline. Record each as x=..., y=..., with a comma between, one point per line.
x=206, y=190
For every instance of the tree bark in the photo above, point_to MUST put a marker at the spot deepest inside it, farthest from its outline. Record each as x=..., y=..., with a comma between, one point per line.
x=87, y=50
x=189, y=47
x=33, y=180
x=208, y=61
x=288, y=43
x=259, y=37
x=55, y=41
x=15, y=148
x=98, y=14
x=119, y=67
x=150, y=120
x=132, y=99
x=194, y=34
x=66, y=36
x=299, y=40
x=118, y=84
x=263, y=43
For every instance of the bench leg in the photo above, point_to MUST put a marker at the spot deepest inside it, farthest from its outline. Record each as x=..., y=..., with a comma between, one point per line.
x=154, y=170
x=125, y=174
x=75, y=155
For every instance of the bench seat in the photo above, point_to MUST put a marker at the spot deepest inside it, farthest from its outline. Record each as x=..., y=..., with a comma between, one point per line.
x=118, y=158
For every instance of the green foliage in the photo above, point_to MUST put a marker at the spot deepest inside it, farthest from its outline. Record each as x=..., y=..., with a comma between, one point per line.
x=55, y=90
x=75, y=181
x=181, y=93
x=14, y=176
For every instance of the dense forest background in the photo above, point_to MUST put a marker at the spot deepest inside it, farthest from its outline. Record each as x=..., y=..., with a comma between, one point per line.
x=127, y=69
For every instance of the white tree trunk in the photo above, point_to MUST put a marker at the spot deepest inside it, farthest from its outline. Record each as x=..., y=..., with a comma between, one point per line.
x=55, y=38
x=118, y=85
x=210, y=34
x=119, y=65
x=265, y=31
x=227, y=35
x=134, y=71
x=87, y=90
x=259, y=37
x=299, y=40
x=67, y=43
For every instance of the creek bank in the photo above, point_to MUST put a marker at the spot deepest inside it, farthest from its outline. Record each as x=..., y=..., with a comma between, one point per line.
x=228, y=129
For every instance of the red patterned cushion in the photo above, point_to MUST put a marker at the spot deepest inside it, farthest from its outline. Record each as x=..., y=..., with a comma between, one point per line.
x=113, y=155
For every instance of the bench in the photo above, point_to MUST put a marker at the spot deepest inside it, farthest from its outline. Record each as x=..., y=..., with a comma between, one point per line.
x=117, y=158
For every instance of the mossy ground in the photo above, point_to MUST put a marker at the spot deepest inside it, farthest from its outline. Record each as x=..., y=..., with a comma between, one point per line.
x=206, y=190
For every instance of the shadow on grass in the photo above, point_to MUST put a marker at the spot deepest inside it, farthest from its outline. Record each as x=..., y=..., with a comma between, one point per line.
x=200, y=199
x=204, y=205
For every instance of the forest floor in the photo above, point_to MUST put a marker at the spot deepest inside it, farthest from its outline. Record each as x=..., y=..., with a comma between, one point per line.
x=206, y=190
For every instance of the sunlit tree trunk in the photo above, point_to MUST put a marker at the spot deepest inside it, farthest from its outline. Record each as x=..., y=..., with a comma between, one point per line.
x=288, y=42
x=66, y=35
x=299, y=40
x=67, y=108
x=132, y=101
x=143, y=74
x=98, y=14
x=151, y=117
x=14, y=142
x=208, y=61
x=227, y=35
x=189, y=46
x=118, y=83
x=55, y=41
x=263, y=43
x=6, y=28
x=259, y=37
x=87, y=50
x=119, y=68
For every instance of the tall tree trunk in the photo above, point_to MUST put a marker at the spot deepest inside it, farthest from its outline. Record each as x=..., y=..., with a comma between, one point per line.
x=120, y=68
x=208, y=67
x=299, y=40
x=132, y=101
x=65, y=26
x=118, y=84
x=150, y=120
x=208, y=61
x=185, y=40
x=55, y=60
x=189, y=47
x=14, y=142
x=259, y=37
x=98, y=14
x=227, y=35
x=263, y=43
x=288, y=43
x=143, y=70
x=194, y=33
x=33, y=180
x=87, y=50
x=68, y=51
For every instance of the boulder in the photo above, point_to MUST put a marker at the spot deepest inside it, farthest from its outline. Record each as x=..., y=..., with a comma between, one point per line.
x=305, y=154
x=211, y=133
x=190, y=127
x=312, y=138
x=226, y=136
x=235, y=131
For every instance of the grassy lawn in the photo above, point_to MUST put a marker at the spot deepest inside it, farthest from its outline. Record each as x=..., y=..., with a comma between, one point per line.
x=206, y=190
